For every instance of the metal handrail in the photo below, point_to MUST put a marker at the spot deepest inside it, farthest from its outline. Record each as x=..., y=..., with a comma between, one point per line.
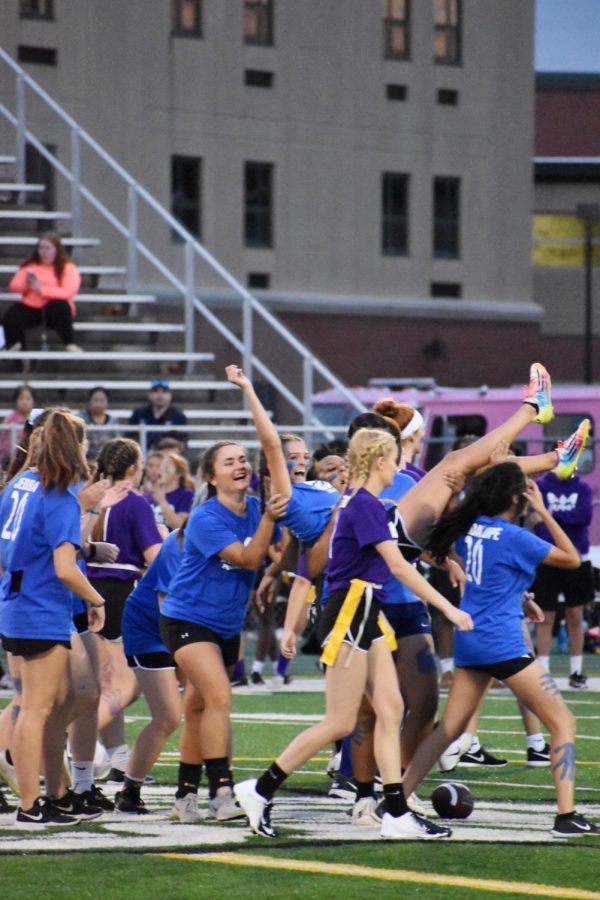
x=193, y=250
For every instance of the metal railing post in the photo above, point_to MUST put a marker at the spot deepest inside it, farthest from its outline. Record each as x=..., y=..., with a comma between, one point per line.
x=307, y=389
x=189, y=309
x=247, y=339
x=132, y=237
x=21, y=136
x=76, y=226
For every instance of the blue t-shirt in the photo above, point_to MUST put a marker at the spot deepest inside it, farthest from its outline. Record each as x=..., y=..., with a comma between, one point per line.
x=500, y=561
x=209, y=590
x=33, y=524
x=395, y=591
x=141, y=617
x=309, y=509
x=361, y=523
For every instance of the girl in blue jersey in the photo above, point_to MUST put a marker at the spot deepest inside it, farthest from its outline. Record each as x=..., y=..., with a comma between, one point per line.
x=500, y=561
x=226, y=540
x=40, y=535
x=356, y=651
x=153, y=667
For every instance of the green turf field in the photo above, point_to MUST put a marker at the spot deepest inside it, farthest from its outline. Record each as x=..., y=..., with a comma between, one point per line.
x=502, y=850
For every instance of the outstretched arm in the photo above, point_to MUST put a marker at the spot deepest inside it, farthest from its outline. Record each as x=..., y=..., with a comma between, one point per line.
x=267, y=435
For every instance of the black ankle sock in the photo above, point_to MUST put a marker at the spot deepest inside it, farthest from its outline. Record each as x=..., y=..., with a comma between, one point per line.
x=395, y=802
x=188, y=779
x=270, y=781
x=363, y=789
x=565, y=815
x=218, y=773
x=132, y=785
x=8, y=757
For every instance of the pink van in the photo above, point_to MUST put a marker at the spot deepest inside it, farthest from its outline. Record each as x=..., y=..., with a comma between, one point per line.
x=452, y=412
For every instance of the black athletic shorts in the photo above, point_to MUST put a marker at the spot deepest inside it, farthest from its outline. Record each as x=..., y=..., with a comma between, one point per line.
x=152, y=662
x=329, y=613
x=506, y=668
x=80, y=621
x=176, y=633
x=115, y=592
x=577, y=586
x=29, y=647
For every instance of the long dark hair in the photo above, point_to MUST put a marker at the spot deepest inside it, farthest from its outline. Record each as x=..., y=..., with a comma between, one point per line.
x=374, y=420
x=490, y=494
x=60, y=260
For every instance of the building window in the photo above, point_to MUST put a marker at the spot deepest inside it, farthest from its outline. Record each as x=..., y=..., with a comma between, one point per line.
x=446, y=218
x=396, y=29
x=448, y=289
x=396, y=91
x=186, y=172
x=258, y=78
x=187, y=18
x=394, y=214
x=447, y=97
x=36, y=9
x=260, y=281
x=41, y=56
x=258, y=22
x=258, y=204
x=447, y=31
x=38, y=170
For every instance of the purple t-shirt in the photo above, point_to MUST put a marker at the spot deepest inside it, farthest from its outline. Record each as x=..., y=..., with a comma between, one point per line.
x=180, y=500
x=131, y=526
x=361, y=522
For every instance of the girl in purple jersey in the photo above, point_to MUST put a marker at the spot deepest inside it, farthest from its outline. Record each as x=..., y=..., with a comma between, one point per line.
x=355, y=642
x=131, y=527
x=172, y=496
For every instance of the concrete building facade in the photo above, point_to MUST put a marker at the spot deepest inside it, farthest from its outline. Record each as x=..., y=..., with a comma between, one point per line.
x=365, y=166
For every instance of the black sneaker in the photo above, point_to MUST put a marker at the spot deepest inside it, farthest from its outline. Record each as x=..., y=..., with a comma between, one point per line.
x=97, y=798
x=481, y=758
x=578, y=681
x=538, y=758
x=79, y=805
x=287, y=679
x=343, y=788
x=129, y=803
x=115, y=776
x=42, y=814
x=5, y=806
x=256, y=678
x=240, y=682
x=573, y=825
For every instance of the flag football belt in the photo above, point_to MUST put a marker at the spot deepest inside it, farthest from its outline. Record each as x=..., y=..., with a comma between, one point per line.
x=342, y=624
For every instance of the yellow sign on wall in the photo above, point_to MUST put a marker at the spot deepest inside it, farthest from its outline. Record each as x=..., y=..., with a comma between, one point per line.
x=559, y=240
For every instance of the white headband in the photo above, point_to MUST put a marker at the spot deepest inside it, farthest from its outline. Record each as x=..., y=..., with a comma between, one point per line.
x=415, y=423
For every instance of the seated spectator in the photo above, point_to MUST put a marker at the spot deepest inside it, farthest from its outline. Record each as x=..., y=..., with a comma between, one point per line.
x=159, y=411
x=96, y=413
x=23, y=402
x=172, y=495
x=48, y=283
x=151, y=471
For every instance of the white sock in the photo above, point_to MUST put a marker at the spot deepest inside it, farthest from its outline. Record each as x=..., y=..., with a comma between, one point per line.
x=536, y=741
x=475, y=745
x=576, y=664
x=82, y=775
x=544, y=661
x=119, y=757
x=447, y=665
x=258, y=666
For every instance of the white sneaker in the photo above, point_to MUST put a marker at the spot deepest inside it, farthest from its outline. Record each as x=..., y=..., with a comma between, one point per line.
x=223, y=805
x=453, y=752
x=412, y=826
x=415, y=805
x=334, y=764
x=8, y=774
x=6, y=683
x=257, y=808
x=276, y=683
x=186, y=809
x=364, y=813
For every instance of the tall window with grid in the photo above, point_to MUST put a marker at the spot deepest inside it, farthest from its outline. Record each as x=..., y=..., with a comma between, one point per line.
x=447, y=30
x=258, y=22
x=258, y=204
x=446, y=217
x=36, y=9
x=186, y=18
x=394, y=214
x=396, y=29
